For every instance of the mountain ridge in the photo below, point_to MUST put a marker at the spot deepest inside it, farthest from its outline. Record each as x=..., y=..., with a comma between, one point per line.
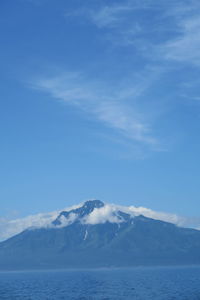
x=122, y=240
x=11, y=227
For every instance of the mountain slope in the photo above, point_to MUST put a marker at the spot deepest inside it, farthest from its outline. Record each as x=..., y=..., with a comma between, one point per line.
x=77, y=239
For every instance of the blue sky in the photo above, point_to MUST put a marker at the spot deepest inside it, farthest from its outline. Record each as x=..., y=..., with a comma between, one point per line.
x=99, y=99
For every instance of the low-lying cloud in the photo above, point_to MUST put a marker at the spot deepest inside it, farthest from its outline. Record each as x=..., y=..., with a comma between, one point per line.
x=108, y=213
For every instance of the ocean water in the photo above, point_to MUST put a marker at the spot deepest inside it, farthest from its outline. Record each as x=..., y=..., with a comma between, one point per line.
x=182, y=283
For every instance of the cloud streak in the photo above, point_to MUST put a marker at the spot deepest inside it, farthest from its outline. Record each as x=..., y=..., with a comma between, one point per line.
x=185, y=48
x=103, y=102
x=175, y=25
x=110, y=16
x=170, y=38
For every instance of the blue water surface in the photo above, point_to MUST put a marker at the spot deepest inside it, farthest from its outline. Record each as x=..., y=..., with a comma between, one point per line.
x=182, y=283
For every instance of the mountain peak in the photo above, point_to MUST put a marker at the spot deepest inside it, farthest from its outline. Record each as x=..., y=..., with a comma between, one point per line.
x=98, y=235
x=80, y=212
x=92, y=204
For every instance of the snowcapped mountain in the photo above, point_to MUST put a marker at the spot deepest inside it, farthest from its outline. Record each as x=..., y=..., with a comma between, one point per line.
x=95, y=234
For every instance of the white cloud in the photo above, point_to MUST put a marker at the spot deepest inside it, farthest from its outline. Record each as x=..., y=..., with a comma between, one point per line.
x=9, y=227
x=101, y=215
x=172, y=218
x=114, y=15
x=110, y=16
x=117, y=106
x=106, y=103
x=108, y=213
x=67, y=221
x=123, y=23
x=177, y=23
x=185, y=47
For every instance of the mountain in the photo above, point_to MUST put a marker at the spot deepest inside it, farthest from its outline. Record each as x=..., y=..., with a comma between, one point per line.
x=93, y=235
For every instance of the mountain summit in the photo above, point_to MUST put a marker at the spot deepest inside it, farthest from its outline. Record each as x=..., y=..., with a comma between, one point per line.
x=92, y=212
x=100, y=235
x=87, y=208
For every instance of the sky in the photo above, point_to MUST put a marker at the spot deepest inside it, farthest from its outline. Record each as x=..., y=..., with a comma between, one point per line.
x=99, y=99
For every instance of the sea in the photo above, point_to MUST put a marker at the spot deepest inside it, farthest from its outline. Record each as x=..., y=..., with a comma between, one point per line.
x=159, y=283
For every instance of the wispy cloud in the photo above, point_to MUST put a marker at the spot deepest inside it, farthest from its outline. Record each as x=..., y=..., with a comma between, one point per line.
x=107, y=104
x=114, y=15
x=110, y=16
x=172, y=36
x=122, y=23
x=164, y=34
x=175, y=25
x=185, y=47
